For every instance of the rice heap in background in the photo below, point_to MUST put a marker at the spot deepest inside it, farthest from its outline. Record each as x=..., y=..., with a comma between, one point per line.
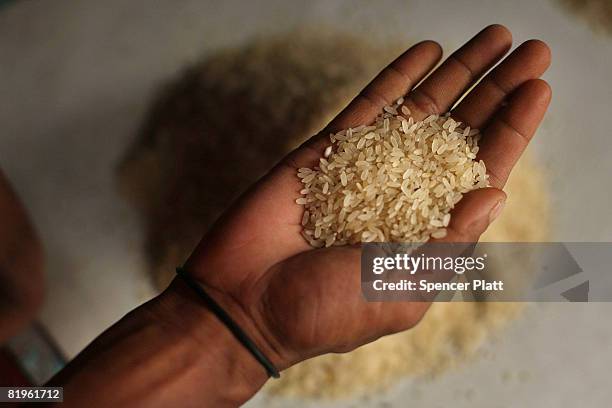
x=395, y=180
x=596, y=13
x=281, y=91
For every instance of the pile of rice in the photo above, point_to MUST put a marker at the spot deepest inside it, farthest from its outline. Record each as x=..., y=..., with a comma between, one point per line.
x=394, y=181
x=596, y=13
x=282, y=88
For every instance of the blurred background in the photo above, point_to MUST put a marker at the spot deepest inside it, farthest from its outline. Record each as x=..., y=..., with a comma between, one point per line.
x=77, y=80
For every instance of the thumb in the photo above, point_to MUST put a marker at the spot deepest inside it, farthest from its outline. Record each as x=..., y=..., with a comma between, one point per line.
x=473, y=215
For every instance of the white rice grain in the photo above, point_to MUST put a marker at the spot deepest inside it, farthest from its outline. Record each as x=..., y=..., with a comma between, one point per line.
x=395, y=180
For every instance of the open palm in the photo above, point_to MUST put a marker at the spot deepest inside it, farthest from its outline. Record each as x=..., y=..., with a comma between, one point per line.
x=298, y=302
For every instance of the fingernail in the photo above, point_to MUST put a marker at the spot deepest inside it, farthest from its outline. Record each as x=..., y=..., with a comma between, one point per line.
x=496, y=210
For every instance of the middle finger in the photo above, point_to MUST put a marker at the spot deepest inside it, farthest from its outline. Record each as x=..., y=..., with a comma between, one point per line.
x=446, y=84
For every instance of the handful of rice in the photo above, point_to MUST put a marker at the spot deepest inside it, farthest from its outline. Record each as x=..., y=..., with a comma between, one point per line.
x=393, y=181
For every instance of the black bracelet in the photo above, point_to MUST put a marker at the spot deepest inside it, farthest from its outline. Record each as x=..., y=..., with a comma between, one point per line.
x=227, y=320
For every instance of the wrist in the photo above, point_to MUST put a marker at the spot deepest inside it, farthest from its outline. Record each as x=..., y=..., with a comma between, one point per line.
x=228, y=373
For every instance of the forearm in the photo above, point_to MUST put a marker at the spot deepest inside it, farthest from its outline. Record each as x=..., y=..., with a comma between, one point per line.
x=169, y=352
x=21, y=265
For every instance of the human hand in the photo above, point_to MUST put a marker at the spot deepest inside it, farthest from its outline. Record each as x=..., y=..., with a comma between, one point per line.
x=297, y=302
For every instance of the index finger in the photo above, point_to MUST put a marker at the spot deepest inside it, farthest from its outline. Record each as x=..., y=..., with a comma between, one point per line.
x=389, y=85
